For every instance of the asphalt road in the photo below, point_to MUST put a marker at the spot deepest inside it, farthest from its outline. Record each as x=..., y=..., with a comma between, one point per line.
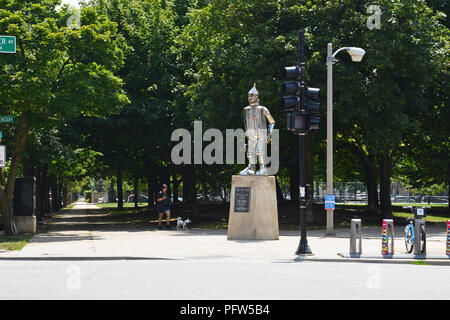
x=211, y=280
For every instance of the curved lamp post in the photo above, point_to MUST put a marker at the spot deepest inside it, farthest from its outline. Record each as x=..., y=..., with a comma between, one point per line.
x=356, y=54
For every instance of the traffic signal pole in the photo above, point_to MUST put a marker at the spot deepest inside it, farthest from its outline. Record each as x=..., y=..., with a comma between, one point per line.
x=303, y=104
x=303, y=247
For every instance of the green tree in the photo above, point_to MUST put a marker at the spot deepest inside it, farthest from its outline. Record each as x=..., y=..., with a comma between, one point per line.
x=57, y=73
x=379, y=103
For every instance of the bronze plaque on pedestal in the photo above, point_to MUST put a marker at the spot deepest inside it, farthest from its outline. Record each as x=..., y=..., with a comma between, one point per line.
x=242, y=199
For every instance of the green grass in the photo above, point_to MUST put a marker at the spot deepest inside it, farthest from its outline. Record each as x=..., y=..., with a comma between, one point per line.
x=14, y=242
x=414, y=204
x=398, y=204
x=125, y=205
x=428, y=218
x=420, y=263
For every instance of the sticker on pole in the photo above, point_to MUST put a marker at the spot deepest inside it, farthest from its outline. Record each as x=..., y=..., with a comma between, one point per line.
x=330, y=201
x=2, y=156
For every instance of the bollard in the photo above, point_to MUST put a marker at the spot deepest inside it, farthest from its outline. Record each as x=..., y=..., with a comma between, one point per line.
x=420, y=247
x=355, y=233
x=387, y=237
x=448, y=238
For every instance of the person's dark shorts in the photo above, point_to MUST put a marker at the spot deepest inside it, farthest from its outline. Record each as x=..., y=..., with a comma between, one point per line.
x=162, y=209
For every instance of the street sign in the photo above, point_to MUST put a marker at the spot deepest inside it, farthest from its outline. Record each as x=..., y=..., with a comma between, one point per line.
x=1, y=135
x=6, y=119
x=7, y=44
x=330, y=201
x=2, y=156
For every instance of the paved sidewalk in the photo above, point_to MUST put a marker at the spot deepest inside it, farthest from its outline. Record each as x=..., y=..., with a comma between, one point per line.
x=83, y=233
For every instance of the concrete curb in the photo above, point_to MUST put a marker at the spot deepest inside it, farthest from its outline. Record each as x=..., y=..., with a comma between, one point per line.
x=81, y=258
x=377, y=259
x=397, y=256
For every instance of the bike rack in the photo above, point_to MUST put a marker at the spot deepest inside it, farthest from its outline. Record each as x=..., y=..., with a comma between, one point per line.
x=355, y=234
x=448, y=238
x=417, y=249
x=387, y=237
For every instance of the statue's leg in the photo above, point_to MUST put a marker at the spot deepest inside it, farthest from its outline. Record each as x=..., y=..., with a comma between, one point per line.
x=260, y=152
x=251, y=155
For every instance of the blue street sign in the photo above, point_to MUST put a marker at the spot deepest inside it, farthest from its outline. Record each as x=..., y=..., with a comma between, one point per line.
x=330, y=201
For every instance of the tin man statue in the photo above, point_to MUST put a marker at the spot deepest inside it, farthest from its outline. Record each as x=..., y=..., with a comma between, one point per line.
x=257, y=134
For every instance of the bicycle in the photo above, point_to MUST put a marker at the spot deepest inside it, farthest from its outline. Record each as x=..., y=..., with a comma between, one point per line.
x=419, y=213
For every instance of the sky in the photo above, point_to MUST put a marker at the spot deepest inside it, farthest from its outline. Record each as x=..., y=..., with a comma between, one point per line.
x=72, y=2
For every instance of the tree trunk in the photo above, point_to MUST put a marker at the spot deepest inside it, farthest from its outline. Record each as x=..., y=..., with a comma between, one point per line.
x=119, y=188
x=65, y=198
x=385, y=186
x=45, y=189
x=192, y=188
x=371, y=183
x=60, y=198
x=20, y=138
x=151, y=198
x=164, y=176
x=135, y=190
x=38, y=210
x=175, y=183
x=54, y=189
x=185, y=188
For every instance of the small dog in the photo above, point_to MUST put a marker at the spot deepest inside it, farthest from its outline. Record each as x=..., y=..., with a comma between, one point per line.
x=182, y=225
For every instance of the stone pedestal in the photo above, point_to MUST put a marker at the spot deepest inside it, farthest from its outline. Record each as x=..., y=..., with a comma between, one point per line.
x=253, y=209
x=25, y=224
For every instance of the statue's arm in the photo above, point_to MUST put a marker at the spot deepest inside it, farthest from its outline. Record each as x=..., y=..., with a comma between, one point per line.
x=271, y=123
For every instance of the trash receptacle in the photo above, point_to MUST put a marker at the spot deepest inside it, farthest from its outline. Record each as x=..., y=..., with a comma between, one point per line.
x=24, y=204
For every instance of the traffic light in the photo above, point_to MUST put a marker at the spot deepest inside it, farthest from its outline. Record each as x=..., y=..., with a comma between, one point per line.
x=297, y=122
x=291, y=101
x=301, y=99
x=313, y=107
x=294, y=72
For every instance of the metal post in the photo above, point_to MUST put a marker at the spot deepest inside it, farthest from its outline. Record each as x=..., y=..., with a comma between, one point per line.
x=303, y=247
x=329, y=213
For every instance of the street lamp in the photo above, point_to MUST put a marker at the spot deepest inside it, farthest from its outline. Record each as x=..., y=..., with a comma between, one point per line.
x=356, y=54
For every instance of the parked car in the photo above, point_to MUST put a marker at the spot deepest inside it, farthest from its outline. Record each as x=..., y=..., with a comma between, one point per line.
x=101, y=200
x=142, y=198
x=404, y=199
x=435, y=199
